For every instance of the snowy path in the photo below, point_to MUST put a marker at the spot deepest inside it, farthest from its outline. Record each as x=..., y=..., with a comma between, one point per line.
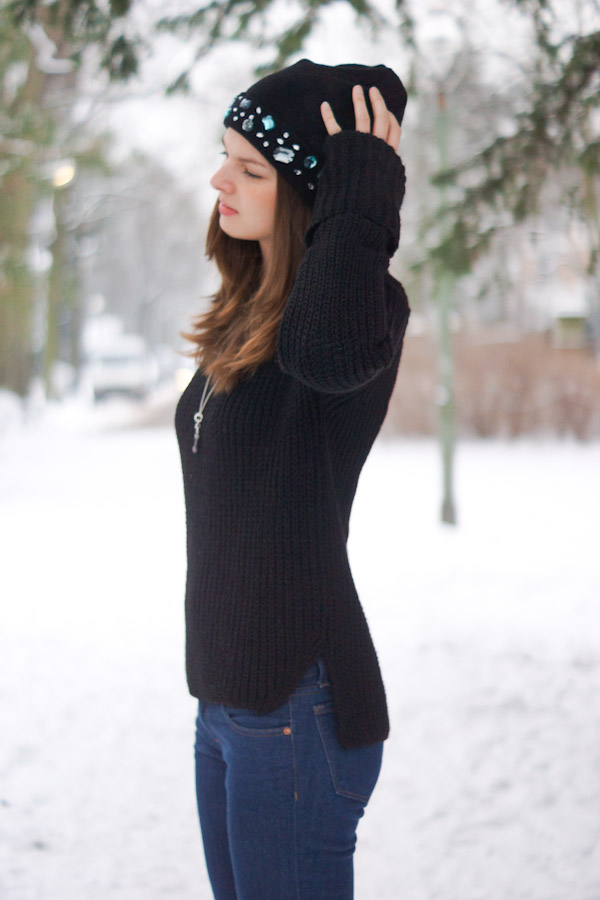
x=488, y=637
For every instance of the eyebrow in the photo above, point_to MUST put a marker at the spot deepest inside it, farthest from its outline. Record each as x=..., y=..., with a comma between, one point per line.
x=246, y=159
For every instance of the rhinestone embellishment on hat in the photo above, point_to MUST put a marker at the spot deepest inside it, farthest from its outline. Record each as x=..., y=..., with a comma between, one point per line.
x=283, y=154
x=256, y=124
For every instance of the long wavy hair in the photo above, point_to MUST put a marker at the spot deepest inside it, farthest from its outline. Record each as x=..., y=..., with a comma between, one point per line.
x=238, y=332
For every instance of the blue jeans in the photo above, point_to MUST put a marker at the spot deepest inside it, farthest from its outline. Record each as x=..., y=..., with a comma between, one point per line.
x=279, y=799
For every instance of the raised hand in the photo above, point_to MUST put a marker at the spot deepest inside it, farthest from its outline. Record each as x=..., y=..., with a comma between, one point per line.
x=385, y=123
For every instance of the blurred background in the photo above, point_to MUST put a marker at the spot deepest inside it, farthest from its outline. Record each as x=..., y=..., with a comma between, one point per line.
x=111, y=124
x=474, y=533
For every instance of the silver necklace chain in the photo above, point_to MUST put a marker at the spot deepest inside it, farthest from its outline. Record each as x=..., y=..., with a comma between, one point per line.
x=198, y=416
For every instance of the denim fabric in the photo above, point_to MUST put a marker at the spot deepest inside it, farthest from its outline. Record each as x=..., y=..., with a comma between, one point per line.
x=279, y=799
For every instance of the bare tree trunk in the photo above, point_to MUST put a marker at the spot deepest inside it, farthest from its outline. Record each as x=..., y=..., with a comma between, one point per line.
x=17, y=288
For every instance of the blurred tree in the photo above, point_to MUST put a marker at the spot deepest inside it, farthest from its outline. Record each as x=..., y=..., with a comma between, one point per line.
x=153, y=282
x=39, y=157
x=84, y=22
x=25, y=128
x=553, y=135
x=555, y=129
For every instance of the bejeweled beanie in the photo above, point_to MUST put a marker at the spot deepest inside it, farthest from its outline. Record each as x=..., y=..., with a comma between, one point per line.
x=281, y=114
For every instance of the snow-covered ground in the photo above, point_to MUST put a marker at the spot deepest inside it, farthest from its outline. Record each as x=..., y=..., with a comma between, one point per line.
x=487, y=634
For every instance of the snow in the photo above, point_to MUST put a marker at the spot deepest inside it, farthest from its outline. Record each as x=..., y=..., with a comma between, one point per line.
x=487, y=635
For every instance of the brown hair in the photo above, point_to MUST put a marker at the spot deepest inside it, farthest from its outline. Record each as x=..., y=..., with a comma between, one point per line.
x=239, y=331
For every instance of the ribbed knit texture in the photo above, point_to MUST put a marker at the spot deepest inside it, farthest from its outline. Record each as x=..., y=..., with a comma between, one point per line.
x=270, y=490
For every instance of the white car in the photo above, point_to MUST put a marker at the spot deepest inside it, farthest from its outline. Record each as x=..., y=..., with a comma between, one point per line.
x=124, y=367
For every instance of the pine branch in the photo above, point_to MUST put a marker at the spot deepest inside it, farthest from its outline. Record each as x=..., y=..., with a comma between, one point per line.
x=504, y=181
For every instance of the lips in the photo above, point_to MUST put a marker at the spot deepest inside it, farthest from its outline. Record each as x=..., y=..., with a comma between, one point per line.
x=225, y=210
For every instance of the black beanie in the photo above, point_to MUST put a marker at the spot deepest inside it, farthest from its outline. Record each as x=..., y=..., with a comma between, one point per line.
x=281, y=114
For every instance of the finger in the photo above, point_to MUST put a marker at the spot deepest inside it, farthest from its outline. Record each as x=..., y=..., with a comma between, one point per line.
x=395, y=131
x=361, y=113
x=381, y=114
x=329, y=119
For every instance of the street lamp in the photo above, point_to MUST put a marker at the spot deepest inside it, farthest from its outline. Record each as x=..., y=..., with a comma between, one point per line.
x=440, y=40
x=64, y=173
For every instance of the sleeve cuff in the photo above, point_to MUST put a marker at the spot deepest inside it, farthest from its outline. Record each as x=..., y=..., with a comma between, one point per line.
x=362, y=176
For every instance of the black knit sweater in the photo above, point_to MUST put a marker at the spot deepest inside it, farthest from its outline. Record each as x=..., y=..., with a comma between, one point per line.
x=269, y=492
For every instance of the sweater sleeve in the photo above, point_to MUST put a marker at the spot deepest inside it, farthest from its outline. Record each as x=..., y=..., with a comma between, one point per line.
x=346, y=315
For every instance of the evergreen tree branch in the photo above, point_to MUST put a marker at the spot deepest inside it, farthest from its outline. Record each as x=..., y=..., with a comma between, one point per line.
x=504, y=181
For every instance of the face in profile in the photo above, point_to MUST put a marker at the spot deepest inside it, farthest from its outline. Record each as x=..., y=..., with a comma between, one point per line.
x=247, y=186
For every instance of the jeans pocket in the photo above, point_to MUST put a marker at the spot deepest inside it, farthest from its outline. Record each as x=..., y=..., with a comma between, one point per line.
x=354, y=770
x=246, y=721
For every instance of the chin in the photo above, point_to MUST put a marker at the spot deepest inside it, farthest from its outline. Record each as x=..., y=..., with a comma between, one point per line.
x=239, y=233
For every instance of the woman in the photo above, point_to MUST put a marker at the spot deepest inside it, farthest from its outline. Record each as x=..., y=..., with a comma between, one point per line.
x=298, y=356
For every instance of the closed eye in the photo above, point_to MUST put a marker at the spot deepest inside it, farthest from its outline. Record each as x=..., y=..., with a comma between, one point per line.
x=244, y=171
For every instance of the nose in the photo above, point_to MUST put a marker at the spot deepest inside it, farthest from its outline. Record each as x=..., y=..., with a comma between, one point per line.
x=221, y=180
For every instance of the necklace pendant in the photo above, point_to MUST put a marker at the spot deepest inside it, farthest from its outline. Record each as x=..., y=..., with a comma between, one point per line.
x=197, y=423
x=198, y=416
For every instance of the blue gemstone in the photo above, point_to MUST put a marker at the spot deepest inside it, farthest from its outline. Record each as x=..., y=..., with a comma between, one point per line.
x=310, y=162
x=248, y=125
x=283, y=154
x=268, y=123
x=245, y=103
